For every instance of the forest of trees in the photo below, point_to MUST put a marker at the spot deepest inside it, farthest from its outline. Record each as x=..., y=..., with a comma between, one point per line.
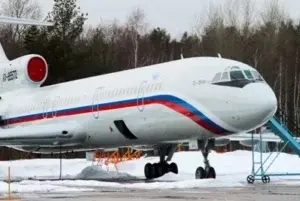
x=267, y=39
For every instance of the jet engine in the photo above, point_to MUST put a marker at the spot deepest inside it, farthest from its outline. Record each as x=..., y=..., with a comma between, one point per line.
x=29, y=71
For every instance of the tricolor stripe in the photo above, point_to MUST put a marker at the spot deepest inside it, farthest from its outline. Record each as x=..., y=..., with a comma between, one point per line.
x=169, y=101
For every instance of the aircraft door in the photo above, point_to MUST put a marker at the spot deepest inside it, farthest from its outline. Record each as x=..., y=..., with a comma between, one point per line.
x=3, y=78
x=55, y=103
x=7, y=116
x=140, y=96
x=95, y=103
x=46, y=108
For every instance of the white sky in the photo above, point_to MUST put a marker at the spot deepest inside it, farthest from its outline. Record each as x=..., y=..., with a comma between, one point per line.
x=176, y=16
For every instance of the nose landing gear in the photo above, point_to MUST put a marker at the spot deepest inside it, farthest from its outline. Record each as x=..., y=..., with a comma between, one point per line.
x=207, y=172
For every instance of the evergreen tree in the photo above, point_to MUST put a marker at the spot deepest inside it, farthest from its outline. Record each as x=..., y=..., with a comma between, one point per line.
x=68, y=25
x=31, y=36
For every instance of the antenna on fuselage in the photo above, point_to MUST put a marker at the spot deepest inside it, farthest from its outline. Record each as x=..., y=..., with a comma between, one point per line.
x=181, y=56
x=219, y=55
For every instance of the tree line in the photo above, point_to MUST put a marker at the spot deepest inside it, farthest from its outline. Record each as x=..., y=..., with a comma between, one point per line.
x=268, y=40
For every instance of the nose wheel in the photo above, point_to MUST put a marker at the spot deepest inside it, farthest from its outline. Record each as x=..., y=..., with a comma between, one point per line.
x=207, y=172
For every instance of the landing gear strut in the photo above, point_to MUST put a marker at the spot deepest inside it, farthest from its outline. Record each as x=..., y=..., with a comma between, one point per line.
x=161, y=168
x=207, y=172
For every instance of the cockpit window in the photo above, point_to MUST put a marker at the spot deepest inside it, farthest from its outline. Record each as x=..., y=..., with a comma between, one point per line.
x=217, y=77
x=248, y=74
x=234, y=76
x=257, y=76
x=225, y=76
x=237, y=75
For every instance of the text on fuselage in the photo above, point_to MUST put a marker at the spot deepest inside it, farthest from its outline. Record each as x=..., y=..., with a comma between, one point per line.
x=12, y=75
x=200, y=82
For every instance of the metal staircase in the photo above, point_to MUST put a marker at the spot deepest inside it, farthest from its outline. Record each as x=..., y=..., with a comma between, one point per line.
x=285, y=134
x=282, y=128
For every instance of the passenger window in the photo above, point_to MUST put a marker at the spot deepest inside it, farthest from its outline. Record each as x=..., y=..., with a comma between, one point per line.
x=225, y=76
x=236, y=75
x=248, y=74
x=217, y=77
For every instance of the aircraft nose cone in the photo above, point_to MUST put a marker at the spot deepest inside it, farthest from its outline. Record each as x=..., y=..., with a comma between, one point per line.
x=263, y=101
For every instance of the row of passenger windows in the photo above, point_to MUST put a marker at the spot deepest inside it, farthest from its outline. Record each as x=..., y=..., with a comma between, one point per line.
x=237, y=75
x=57, y=103
x=132, y=91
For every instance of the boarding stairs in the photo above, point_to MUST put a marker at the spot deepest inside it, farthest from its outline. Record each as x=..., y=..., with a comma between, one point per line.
x=281, y=127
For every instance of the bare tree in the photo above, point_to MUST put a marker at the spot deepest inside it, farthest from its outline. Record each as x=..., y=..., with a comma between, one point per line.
x=137, y=27
x=296, y=91
x=28, y=9
x=280, y=86
x=273, y=13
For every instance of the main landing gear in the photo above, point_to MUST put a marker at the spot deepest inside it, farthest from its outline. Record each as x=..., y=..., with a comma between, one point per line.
x=207, y=172
x=161, y=168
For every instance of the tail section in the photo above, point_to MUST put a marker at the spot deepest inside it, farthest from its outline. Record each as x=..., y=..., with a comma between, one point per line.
x=27, y=71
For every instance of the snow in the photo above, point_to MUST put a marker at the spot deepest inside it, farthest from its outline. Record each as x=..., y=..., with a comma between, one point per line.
x=232, y=169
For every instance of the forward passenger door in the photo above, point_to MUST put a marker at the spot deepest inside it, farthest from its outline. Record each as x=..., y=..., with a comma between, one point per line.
x=96, y=101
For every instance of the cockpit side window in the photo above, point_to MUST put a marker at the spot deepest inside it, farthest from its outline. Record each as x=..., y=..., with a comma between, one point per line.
x=216, y=78
x=248, y=74
x=257, y=76
x=225, y=76
x=237, y=75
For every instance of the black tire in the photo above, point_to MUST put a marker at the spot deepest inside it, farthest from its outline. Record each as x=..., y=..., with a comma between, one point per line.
x=265, y=179
x=160, y=169
x=173, y=168
x=200, y=173
x=154, y=170
x=250, y=179
x=211, y=173
x=148, y=171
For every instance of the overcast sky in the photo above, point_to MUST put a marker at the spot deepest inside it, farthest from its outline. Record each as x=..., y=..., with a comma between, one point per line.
x=176, y=16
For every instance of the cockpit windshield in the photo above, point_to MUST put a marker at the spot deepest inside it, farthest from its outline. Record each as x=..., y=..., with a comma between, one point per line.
x=236, y=77
x=248, y=74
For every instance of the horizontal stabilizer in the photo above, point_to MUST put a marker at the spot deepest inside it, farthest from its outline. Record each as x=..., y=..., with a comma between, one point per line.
x=21, y=21
x=50, y=134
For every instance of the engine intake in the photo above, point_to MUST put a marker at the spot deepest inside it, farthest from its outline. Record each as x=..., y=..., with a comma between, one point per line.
x=28, y=71
x=37, y=69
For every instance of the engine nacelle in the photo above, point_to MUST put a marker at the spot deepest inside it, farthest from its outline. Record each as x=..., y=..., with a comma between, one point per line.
x=28, y=71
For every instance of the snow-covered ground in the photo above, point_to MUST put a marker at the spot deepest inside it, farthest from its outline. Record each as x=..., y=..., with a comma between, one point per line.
x=232, y=169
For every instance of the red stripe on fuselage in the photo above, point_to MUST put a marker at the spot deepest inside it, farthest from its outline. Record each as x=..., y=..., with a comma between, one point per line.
x=78, y=111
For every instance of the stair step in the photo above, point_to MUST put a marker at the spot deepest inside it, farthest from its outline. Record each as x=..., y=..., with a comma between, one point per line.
x=285, y=135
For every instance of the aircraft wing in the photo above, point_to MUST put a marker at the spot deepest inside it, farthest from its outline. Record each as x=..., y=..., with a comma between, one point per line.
x=69, y=133
x=20, y=21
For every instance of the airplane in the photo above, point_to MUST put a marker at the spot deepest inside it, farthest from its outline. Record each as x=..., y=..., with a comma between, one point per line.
x=152, y=107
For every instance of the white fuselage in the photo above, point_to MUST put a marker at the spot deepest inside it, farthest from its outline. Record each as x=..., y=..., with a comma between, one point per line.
x=164, y=102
